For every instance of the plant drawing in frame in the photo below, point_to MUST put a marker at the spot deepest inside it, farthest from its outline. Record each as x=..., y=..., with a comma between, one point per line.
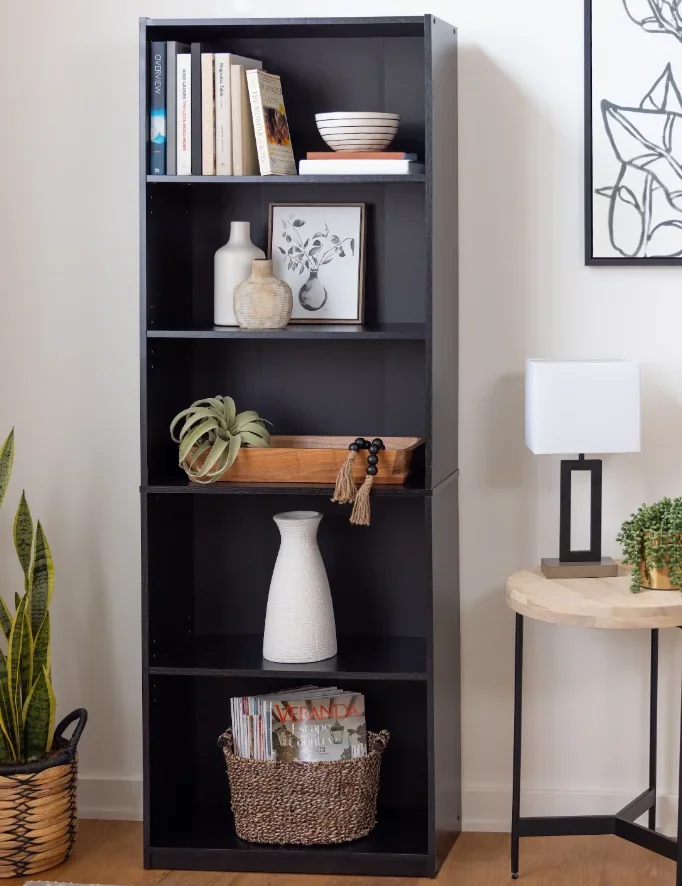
x=318, y=249
x=633, y=132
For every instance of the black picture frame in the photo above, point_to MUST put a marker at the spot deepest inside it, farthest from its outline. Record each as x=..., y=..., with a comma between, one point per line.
x=590, y=258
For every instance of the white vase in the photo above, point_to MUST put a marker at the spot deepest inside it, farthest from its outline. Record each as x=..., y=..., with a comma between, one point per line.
x=299, y=622
x=231, y=266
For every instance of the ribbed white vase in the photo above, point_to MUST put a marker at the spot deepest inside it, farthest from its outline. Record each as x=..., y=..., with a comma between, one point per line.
x=299, y=622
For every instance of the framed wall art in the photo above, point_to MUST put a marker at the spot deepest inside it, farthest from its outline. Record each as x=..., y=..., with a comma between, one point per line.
x=319, y=250
x=633, y=132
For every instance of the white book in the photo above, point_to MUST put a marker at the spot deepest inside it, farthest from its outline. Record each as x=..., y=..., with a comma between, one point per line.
x=184, y=113
x=207, y=115
x=360, y=167
x=223, y=107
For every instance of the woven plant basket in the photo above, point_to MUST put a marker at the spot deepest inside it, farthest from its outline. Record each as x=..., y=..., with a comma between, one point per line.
x=38, y=806
x=304, y=803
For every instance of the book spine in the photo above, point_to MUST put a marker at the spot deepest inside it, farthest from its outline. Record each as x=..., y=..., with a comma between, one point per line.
x=207, y=116
x=157, y=121
x=184, y=114
x=256, y=100
x=196, y=109
x=171, y=108
x=223, y=116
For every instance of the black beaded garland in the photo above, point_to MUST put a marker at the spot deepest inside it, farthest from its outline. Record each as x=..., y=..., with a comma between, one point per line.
x=378, y=442
x=372, y=470
x=372, y=459
x=373, y=450
x=354, y=447
x=362, y=443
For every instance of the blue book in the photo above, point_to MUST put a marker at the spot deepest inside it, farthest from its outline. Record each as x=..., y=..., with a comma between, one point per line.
x=157, y=116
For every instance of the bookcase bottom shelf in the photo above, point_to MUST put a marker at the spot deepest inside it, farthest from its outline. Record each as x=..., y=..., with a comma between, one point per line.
x=207, y=841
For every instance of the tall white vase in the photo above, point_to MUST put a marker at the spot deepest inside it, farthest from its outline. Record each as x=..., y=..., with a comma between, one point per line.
x=231, y=266
x=299, y=622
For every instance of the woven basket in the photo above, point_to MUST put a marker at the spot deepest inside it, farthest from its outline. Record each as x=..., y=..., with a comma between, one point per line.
x=38, y=806
x=304, y=803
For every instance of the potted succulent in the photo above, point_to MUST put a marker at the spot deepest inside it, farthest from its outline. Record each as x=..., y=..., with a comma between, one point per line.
x=652, y=545
x=212, y=435
x=38, y=766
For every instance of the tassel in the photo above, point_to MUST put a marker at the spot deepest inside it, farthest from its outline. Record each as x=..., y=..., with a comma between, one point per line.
x=361, y=508
x=344, y=491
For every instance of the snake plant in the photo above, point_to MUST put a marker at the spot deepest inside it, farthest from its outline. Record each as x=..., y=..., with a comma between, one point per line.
x=27, y=702
x=212, y=435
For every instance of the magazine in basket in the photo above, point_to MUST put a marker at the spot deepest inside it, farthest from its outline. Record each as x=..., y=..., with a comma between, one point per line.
x=311, y=724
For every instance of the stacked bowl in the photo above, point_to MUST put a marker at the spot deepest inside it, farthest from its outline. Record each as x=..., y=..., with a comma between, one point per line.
x=357, y=131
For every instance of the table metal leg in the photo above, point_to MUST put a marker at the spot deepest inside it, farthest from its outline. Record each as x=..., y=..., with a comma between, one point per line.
x=653, y=723
x=678, y=880
x=516, y=779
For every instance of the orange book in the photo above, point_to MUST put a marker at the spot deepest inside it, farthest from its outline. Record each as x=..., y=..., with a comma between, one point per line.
x=359, y=155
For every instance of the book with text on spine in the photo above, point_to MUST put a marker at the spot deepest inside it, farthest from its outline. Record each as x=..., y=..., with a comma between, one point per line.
x=173, y=49
x=223, y=62
x=273, y=140
x=207, y=115
x=196, y=51
x=184, y=114
x=157, y=106
x=244, y=153
x=360, y=167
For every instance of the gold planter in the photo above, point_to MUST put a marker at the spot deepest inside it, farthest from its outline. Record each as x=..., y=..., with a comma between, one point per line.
x=660, y=579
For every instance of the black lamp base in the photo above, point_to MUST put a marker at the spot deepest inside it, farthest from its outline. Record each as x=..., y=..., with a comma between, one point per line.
x=552, y=567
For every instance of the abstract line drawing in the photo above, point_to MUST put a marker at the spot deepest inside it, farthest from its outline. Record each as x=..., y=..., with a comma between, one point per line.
x=645, y=203
x=656, y=16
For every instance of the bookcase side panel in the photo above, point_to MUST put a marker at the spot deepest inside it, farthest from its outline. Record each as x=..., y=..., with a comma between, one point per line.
x=442, y=212
x=445, y=670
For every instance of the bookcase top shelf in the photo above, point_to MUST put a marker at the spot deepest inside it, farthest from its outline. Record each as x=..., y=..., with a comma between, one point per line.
x=283, y=179
x=406, y=26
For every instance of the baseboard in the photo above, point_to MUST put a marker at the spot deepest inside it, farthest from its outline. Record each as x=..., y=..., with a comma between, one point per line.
x=488, y=808
x=110, y=798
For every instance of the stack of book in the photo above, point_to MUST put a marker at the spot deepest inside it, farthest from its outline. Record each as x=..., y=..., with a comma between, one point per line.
x=215, y=113
x=360, y=163
x=310, y=724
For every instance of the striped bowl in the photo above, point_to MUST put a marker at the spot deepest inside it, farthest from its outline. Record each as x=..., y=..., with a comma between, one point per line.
x=357, y=131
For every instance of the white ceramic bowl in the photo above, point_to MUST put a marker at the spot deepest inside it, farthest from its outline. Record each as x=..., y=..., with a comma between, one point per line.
x=357, y=131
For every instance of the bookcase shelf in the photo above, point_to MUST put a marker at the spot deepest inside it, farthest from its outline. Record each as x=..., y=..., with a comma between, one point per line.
x=375, y=658
x=208, y=551
x=300, y=332
x=283, y=179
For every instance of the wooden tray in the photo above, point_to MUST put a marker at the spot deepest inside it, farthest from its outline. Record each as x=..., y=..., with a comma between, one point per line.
x=305, y=459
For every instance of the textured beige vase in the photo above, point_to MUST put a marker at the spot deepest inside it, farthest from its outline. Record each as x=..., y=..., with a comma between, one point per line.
x=263, y=301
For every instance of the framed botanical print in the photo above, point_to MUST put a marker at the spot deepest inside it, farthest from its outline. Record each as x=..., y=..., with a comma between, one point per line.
x=319, y=250
x=633, y=132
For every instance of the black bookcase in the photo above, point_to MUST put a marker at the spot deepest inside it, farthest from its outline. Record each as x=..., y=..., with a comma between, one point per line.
x=208, y=552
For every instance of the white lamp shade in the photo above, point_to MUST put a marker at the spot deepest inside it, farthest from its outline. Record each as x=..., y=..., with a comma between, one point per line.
x=582, y=406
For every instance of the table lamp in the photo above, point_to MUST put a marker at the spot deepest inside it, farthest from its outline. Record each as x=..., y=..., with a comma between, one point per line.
x=579, y=406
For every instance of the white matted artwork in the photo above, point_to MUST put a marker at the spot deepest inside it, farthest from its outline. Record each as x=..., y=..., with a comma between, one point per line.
x=633, y=118
x=319, y=250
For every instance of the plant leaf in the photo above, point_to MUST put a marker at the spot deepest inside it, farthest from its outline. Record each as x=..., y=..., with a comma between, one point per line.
x=42, y=647
x=213, y=457
x=23, y=537
x=335, y=239
x=666, y=239
x=6, y=715
x=6, y=461
x=244, y=418
x=235, y=446
x=195, y=435
x=316, y=236
x=254, y=439
x=5, y=618
x=282, y=250
x=352, y=246
x=297, y=223
x=255, y=427
x=230, y=410
x=26, y=664
x=15, y=645
x=42, y=581
x=38, y=717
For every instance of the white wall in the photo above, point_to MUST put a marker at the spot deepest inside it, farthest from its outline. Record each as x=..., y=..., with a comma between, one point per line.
x=68, y=358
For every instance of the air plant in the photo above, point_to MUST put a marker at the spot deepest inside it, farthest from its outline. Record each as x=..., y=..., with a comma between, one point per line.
x=27, y=702
x=212, y=435
x=653, y=537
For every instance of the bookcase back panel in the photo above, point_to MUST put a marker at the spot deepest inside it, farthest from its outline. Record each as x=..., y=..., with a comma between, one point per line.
x=327, y=387
x=377, y=574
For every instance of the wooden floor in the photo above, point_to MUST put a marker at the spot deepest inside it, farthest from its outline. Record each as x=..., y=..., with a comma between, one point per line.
x=111, y=852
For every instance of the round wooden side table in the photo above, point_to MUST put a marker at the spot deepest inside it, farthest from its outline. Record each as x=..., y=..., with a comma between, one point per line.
x=594, y=603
